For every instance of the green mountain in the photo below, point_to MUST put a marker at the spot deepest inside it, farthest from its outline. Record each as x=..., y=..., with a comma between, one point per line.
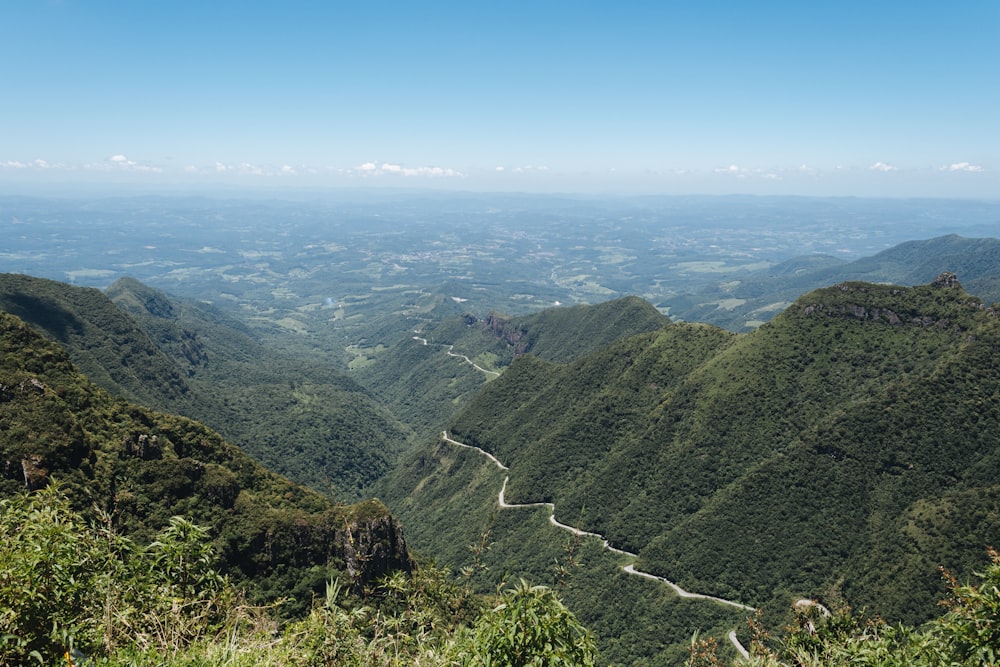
x=144, y=467
x=427, y=378
x=757, y=297
x=843, y=451
x=564, y=334
x=110, y=347
x=298, y=417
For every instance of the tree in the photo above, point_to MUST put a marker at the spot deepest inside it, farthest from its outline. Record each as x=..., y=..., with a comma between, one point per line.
x=49, y=566
x=530, y=626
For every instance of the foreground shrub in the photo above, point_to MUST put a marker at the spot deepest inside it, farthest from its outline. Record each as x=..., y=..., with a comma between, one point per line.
x=77, y=592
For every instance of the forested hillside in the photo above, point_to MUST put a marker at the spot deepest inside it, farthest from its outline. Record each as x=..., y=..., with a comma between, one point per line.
x=427, y=378
x=143, y=467
x=299, y=417
x=137, y=537
x=843, y=451
x=106, y=344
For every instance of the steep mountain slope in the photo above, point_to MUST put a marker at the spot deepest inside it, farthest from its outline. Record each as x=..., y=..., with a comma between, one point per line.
x=143, y=467
x=298, y=417
x=847, y=503
x=108, y=346
x=564, y=334
x=426, y=379
x=790, y=461
x=759, y=296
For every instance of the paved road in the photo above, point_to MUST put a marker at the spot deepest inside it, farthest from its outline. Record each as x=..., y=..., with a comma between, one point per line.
x=629, y=569
x=451, y=353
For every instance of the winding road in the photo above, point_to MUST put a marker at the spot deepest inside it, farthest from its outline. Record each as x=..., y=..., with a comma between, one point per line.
x=451, y=353
x=629, y=569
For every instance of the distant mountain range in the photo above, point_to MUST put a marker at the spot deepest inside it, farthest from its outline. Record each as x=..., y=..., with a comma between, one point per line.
x=742, y=304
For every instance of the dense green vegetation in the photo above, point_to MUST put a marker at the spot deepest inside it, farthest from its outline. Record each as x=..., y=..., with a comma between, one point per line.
x=453, y=514
x=425, y=386
x=74, y=591
x=110, y=347
x=564, y=334
x=842, y=452
x=966, y=634
x=298, y=417
x=141, y=468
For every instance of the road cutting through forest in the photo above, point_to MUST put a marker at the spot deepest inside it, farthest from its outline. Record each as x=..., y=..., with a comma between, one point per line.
x=629, y=569
x=452, y=353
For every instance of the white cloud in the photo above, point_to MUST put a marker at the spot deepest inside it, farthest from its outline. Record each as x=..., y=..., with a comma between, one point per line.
x=963, y=166
x=287, y=169
x=14, y=164
x=377, y=169
x=528, y=168
x=500, y=169
x=737, y=171
x=744, y=173
x=253, y=170
x=437, y=171
x=883, y=167
x=121, y=163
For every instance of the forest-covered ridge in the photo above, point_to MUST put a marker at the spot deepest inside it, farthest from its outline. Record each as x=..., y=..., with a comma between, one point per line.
x=424, y=380
x=792, y=460
x=722, y=376
x=141, y=467
x=301, y=418
x=134, y=536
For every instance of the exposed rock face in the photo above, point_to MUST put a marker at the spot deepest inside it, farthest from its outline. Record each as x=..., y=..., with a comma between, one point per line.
x=144, y=447
x=35, y=476
x=374, y=545
x=507, y=332
x=363, y=540
x=946, y=279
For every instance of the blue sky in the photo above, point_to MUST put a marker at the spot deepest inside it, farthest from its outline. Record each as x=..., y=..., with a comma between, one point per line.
x=853, y=98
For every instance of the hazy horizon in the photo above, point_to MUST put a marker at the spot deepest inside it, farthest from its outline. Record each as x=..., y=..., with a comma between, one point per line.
x=850, y=99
